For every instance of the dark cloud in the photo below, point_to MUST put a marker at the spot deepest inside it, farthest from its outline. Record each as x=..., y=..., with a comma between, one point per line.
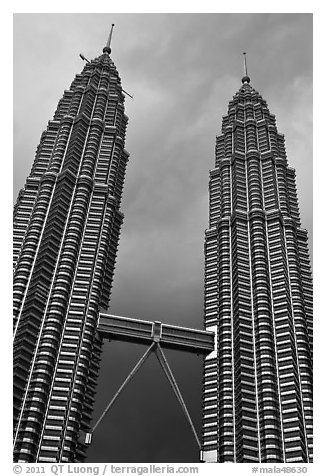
x=182, y=69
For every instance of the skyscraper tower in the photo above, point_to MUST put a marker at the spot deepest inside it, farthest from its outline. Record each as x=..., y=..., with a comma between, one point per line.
x=67, y=222
x=258, y=296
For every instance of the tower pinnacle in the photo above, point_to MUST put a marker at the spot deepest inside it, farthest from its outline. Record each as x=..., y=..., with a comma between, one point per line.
x=107, y=48
x=245, y=78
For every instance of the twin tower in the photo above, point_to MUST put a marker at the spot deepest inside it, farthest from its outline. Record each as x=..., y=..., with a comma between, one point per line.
x=257, y=385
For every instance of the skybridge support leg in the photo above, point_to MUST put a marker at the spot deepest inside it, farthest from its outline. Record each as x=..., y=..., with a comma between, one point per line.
x=88, y=436
x=166, y=368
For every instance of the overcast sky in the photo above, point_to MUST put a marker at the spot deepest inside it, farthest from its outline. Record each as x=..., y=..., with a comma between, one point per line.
x=182, y=69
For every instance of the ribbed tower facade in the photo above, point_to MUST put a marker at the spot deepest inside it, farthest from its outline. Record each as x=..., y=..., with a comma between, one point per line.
x=258, y=296
x=67, y=223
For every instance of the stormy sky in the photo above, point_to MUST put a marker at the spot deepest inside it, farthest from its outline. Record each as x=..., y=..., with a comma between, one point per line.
x=182, y=69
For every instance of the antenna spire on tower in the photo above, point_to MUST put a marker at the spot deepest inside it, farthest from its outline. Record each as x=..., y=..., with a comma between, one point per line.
x=245, y=63
x=246, y=78
x=107, y=47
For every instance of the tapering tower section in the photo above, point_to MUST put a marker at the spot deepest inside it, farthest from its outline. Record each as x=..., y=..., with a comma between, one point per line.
x=67, y=223
x=257, y=402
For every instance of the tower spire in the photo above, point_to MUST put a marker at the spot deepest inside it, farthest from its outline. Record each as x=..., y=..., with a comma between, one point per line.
x=107, y=47
x=245, y=78
x=245, y=63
